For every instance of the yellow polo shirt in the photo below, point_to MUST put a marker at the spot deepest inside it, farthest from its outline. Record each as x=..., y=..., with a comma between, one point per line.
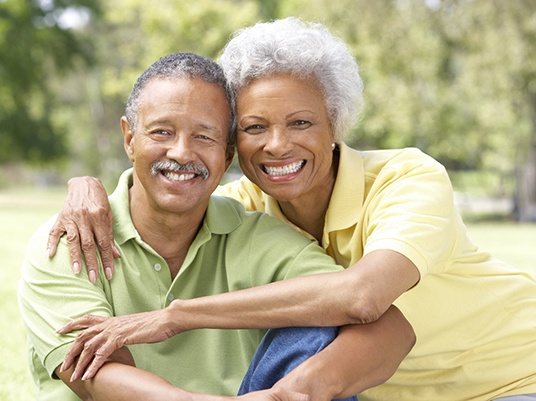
x=474, y=316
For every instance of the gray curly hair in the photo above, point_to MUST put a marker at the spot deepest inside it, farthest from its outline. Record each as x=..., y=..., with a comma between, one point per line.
x=305, y=50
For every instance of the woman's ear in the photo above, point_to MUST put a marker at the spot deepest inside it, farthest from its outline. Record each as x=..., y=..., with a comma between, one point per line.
x=128, y=138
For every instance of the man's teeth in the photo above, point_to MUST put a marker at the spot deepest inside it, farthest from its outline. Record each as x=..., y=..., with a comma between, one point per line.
x=283, y=170
x=178, y=177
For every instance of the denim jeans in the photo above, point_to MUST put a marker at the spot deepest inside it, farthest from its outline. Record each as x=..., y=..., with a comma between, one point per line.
x=280, y=351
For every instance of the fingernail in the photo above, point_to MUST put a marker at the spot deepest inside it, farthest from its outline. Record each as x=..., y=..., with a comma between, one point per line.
x=72, y=377
x=76, y=268
x=62, y=368
x=85, y=377
x=92, y=277
x=108, y=272
x=48, y=252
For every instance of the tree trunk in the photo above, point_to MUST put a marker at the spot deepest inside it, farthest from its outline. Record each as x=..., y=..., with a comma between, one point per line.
x=526, y=177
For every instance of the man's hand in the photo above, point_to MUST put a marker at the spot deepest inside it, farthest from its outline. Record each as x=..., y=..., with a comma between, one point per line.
x=104, y=335
x=274, y=394
x=87, y=220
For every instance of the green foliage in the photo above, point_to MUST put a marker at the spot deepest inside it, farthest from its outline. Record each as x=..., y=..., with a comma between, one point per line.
x=455, y=78
x=33, y=46
x=451, y=77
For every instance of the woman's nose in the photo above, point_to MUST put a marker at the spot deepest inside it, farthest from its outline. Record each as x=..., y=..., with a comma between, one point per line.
x=278, y=142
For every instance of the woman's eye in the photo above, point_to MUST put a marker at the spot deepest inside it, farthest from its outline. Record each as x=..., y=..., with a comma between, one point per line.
x=301, y=124
x=161, y=132
x=254, y=129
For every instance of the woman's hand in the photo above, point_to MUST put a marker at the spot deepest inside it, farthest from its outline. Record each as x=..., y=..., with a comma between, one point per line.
x=87, y=219
x=104, y=335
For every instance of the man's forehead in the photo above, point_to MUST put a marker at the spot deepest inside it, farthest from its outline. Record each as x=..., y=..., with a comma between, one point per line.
x=192, y=99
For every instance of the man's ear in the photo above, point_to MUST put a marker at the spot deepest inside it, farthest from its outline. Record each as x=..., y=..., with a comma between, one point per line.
x=128, y=138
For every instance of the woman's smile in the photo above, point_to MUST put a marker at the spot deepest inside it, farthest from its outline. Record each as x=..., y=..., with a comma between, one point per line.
x=283, y=170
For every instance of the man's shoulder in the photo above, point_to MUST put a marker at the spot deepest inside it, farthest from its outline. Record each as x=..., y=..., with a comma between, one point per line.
x=40, y=235
x=239, y=220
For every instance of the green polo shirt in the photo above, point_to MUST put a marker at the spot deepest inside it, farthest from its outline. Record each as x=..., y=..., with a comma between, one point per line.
x=233, y=250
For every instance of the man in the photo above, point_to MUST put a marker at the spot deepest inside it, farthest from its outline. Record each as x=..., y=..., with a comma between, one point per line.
x=176, y=240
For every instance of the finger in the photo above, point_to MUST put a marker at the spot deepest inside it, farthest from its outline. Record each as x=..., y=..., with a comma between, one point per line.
x=81, y=323
x=85, y=358
x=54, y=238
x=73, y=243
x=89, y=249
x=74, y=350
x=101, y=355
x=116, y=252
x=107, y=255
x=103, y=231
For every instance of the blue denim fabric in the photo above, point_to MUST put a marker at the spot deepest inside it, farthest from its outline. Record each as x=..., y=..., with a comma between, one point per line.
x=280, y=351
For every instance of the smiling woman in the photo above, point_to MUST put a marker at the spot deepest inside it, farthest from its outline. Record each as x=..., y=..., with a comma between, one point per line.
x=387, y=216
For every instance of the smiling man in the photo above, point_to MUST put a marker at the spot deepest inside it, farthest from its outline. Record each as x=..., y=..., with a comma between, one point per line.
x=176, y=241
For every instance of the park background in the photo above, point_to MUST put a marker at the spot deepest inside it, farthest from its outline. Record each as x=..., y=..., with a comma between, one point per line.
x=455, y=78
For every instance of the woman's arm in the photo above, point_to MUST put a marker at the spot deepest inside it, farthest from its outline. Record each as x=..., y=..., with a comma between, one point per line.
x=357, y=295
x=361, y=357
x=87, y=219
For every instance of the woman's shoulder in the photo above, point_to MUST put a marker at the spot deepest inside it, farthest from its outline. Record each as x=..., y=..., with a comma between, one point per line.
x=244, y=191
x=404, y=159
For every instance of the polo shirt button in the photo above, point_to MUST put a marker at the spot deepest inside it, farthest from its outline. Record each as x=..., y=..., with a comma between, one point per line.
x=170, y=297
x=158, y=267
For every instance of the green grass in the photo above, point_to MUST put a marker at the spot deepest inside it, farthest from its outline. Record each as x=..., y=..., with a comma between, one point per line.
x=22, y=211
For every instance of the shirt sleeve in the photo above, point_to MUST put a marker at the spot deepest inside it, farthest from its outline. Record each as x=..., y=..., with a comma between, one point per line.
x=412, y=212
x=50, y=295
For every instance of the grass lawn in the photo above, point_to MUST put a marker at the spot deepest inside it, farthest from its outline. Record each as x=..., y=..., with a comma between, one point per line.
x=22, y=211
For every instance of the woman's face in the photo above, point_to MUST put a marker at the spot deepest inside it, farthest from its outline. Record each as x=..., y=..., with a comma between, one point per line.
x=284, y=137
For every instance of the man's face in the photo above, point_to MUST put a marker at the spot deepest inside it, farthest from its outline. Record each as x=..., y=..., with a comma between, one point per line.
x=179, y=147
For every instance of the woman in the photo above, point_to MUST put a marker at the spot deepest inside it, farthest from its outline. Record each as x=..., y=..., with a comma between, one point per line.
x=387, y=216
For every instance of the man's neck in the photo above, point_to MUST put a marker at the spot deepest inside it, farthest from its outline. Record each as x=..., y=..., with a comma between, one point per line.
x=169, y=234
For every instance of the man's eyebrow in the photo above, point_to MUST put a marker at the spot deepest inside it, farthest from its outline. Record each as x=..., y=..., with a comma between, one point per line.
x=198, y=124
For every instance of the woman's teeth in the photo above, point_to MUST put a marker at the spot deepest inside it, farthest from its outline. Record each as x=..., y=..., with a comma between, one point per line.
x=283, y=170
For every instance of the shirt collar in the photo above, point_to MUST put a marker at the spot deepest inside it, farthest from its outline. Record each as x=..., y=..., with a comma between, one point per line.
x=221, y=217
x=346, y=199
x=348, y=192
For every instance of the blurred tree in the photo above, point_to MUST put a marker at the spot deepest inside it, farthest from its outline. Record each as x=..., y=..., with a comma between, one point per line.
x=452, y=77
x=36, y=43
x=455, y=78
x=131, y=35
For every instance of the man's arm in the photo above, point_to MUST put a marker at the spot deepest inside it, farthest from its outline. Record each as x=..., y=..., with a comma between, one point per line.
x=120, y=380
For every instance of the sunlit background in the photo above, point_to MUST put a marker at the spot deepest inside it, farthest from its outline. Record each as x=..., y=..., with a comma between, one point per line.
x=456, y=78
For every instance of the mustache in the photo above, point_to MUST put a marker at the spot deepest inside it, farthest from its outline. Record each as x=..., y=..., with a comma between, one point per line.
x=174, y=166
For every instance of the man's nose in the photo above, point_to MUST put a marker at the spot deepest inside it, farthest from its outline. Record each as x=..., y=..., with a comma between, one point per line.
x=181, y=150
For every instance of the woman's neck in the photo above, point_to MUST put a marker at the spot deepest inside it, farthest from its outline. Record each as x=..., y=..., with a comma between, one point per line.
x=308, y=212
